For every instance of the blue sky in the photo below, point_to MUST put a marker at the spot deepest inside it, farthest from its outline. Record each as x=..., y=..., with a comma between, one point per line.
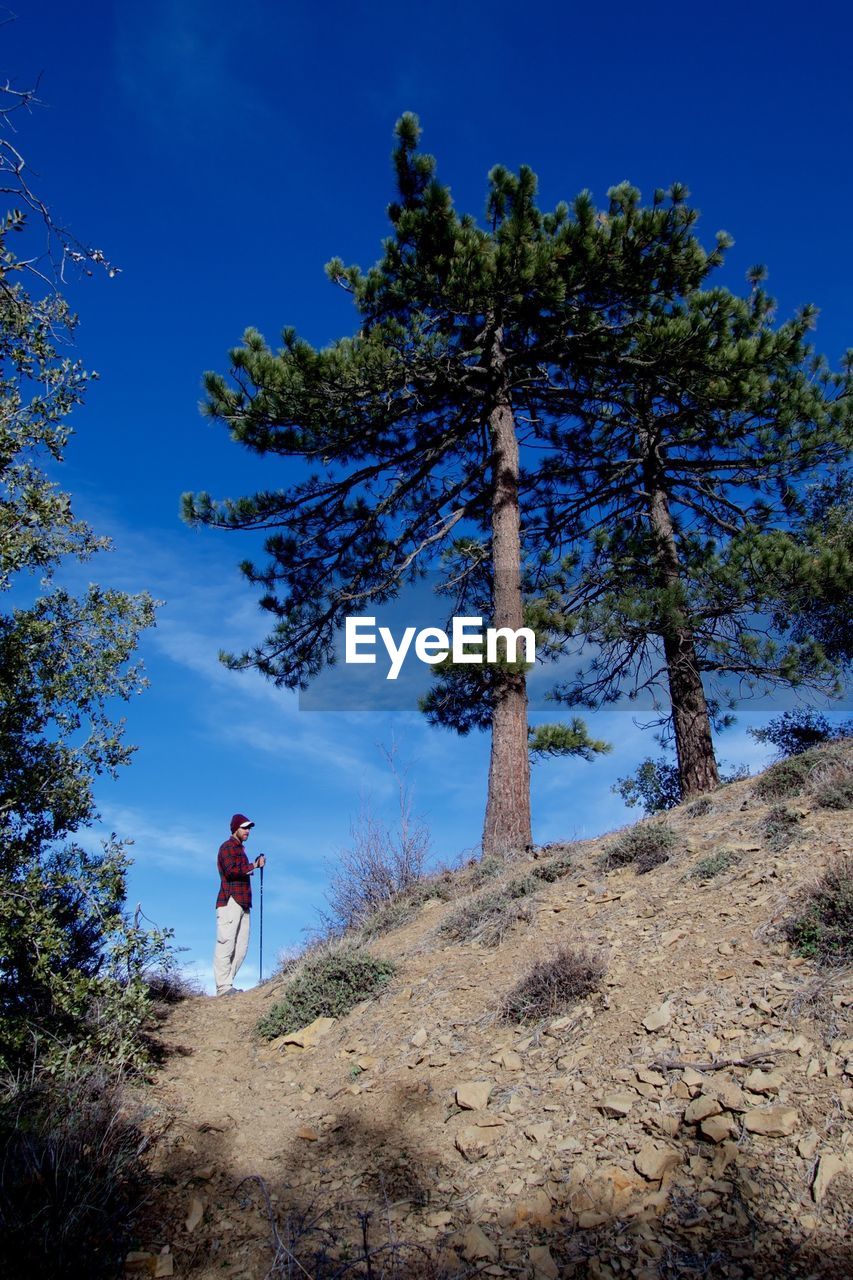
x=220, y=155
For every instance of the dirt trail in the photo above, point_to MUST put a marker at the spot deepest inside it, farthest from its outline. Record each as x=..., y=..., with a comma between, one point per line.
x=600, y=1150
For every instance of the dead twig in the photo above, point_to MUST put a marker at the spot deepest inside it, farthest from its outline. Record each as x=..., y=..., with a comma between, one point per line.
x=716, y=1064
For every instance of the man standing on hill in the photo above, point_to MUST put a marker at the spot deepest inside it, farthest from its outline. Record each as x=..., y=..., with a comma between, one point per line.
x=233, y=905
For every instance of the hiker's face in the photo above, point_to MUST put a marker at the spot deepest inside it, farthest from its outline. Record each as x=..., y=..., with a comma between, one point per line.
x=243, y=833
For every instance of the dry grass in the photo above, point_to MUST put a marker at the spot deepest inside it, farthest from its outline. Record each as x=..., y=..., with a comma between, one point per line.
x=488, y=916
x=809, y=772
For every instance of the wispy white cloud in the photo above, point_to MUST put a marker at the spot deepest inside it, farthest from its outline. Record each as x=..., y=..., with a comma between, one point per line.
x=177, y=63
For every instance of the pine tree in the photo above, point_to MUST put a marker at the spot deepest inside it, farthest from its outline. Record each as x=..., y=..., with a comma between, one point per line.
x=678, y=479
x=413, y=428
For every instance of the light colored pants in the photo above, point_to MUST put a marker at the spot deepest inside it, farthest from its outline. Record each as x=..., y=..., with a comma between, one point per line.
x=232, y=942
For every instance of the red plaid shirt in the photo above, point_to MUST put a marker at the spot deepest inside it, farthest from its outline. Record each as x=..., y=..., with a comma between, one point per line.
x=234, y=871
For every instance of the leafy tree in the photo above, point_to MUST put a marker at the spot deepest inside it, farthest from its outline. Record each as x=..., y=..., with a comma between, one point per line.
x=794, y=732
x=66, y=947
x=414, y=429
x=676, y=484
x=655, y=785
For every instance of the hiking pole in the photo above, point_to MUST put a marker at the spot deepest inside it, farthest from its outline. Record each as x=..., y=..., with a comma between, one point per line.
x=261, y=959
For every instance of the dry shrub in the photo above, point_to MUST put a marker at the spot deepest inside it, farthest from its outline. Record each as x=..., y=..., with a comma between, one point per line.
x=554, y=985
x=488, y=916
x=714, y=865
x=644, y=848
x=381, y=862
x=823, y=928
x=71, y=1176
x=393, y=915
x=485, y=869
x=552, y=869
x=172, y=986
x=831, y=783
x=780, y=827
x=312, y=1244
x=804, y=772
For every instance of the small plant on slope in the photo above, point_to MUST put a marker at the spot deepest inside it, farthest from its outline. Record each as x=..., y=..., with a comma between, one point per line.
x=327, y=986
x=823, y=929
x=554, y=985
x=643, y=848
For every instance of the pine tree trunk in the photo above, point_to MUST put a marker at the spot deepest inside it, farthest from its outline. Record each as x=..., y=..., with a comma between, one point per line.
x=694, y=745
x=507, y=827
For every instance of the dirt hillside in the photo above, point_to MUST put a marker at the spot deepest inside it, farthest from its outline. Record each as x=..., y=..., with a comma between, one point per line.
x=693, y=1117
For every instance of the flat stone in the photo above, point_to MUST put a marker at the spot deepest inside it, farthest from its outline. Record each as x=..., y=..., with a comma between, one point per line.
x=671, y=936
x=658, y=1018
x=308, y=1036
x=534, y=1210
x=195, y=1214
x=544, y=1266
x=829, y=1166
x=764, y=1081
x=701, y=1108
x=617, y=1104
x=419, y=1039
x=139, y=1263
x=808, y=1145
x=772, y=1122
x=476, y=1245
x=646, y=1076
x=725, y=1155
x=474, y=1143
x=307, y=1134
x=588, y=1220
x=511, y=1061
x=473, y=1095
x=653, y=1161
x=730, y=1095
x=719, y=1128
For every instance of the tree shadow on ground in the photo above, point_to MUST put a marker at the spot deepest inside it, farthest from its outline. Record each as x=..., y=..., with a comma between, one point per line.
x=360, y=1203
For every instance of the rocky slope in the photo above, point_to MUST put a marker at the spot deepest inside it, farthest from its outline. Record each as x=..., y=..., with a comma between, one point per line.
x=692, y=1118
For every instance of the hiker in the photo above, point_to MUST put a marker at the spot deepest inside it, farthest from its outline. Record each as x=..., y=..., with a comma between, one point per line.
x=233, y=905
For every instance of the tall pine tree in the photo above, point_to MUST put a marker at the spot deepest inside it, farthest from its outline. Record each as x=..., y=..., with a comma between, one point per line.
x=412, y=429
x=678, y=477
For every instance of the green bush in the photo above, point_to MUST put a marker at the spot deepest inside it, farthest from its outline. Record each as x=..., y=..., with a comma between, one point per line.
x=554, y=985
x=823, y=928
x=714, y=865
x=488, y=916
x=643, y=848
x=327, y=986
x=71, y=1176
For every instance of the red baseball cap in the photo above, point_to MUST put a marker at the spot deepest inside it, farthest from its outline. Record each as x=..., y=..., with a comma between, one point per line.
x=240, y=820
